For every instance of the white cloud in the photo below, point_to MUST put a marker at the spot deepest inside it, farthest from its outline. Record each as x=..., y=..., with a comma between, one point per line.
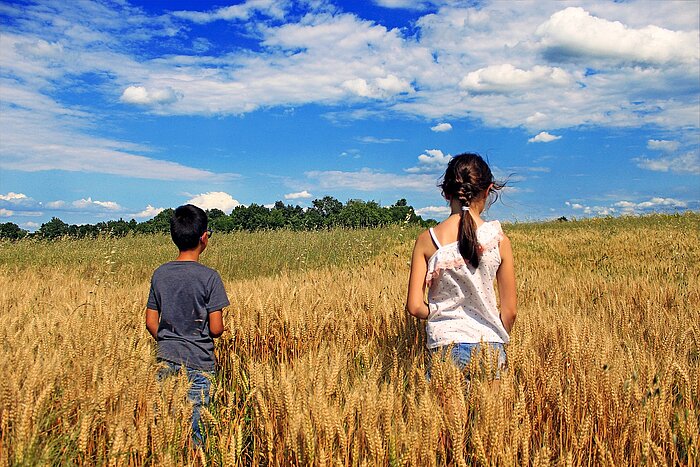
x=654, y=204
x=688, y=163
x=378, y=88
x=12, y=196
x=370, y=180
x=606, y=62
x=375, y=140
x=432, y=212
x=243, y=11
x=39, y=134
x=594, y=210
x=148, y=212
x=662, y=145
x=18, y=202
x=441, y=127
x=31, y=225
x=214, y=199
x=141, y=95
x=575, y=33
x=432, y=161
x=58, y=204
x=298, y=195
x=543, y=137
x=507, y=79
x=404, y=4
x=95, y=205
x=6, y=212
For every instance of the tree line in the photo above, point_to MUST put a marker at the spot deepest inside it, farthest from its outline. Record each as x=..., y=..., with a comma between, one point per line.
x=324, y=213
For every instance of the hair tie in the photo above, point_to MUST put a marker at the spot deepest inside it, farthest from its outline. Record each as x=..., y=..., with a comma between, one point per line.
x=465, y=208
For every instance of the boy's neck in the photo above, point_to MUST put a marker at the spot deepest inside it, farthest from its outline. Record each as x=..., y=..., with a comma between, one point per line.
x=189, y=255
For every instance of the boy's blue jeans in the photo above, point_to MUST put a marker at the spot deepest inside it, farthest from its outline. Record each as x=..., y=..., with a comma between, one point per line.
x=198, y=394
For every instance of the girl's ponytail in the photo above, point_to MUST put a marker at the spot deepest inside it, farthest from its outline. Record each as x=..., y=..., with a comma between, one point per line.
x=467, y=177
x=466, y=238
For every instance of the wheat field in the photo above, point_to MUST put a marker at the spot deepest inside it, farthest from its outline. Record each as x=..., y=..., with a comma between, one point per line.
x=320, y=364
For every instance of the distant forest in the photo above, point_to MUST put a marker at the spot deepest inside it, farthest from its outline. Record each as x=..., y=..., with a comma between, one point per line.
x=324, y=213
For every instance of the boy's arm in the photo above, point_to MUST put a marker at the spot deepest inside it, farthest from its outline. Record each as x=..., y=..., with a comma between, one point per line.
x=216, y=323
x=152, y=322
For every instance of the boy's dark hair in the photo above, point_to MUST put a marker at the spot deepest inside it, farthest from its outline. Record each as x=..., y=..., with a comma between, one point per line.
x=467, y=176
x=187, y=226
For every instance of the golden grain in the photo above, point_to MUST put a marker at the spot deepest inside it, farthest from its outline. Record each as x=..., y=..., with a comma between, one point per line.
x=321, y=365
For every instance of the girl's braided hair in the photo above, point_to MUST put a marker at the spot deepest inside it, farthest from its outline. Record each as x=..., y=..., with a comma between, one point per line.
x=466, y=178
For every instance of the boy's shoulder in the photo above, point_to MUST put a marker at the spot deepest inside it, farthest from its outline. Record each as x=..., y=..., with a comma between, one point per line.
x=175, y=268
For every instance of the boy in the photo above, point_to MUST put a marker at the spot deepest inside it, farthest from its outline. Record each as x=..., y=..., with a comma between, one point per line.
x=184, y=309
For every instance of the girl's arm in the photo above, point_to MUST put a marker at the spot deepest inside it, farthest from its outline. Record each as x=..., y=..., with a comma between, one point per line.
x=415, y=301
x=505, y=276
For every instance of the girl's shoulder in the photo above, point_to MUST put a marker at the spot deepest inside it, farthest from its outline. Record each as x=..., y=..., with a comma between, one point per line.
x=490, y=234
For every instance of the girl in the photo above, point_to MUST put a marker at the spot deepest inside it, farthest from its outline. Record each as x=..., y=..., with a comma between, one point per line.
x=458, y=260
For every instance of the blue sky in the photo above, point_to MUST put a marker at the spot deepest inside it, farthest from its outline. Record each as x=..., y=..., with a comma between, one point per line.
x=122, y=108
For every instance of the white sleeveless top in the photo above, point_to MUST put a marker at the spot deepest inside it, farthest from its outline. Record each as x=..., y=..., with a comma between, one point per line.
x=462, y=298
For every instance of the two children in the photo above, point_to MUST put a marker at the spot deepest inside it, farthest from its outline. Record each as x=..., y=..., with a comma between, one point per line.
x=184, y=309
x=457, y=260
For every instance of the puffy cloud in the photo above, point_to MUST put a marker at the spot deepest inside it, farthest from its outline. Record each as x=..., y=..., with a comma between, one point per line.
x=370, y=180
x=575, y=33
x=543, y=137
x=653, y=204
x=688, y=163
x=298, y=195
x=441, y=127
x=594, y=210
x=243, y=11
x=13, y=197
x=58, y=204
x=433, y=160
x=378, y=88
x=148, y=212
x=662, y=145
x=141, y=95
x=431, y=212
x=6, y=212
x=89, y=204
x=506, y=79
x=214, y=199
x=18, y=202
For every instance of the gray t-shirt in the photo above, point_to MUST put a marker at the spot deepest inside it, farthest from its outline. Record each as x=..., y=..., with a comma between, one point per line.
x=184, y=293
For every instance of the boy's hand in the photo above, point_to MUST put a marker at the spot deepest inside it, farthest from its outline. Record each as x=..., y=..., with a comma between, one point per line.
x=152, y=322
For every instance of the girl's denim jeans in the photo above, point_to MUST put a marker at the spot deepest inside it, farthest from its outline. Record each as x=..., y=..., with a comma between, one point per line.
x=198, y=394
x=461, y=354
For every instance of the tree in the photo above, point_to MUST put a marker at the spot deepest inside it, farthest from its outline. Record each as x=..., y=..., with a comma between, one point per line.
x=11, y=231
x=160, y=223
x=327, y=206
x=54, y=228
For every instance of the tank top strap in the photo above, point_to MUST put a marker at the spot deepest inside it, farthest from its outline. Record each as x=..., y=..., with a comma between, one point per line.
x=434, y=237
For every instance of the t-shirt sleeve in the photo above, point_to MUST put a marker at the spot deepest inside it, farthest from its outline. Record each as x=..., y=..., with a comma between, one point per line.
x=217, y=294
x=152, y=302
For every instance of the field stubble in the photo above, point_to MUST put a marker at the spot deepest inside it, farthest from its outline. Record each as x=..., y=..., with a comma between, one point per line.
x=320, y=364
